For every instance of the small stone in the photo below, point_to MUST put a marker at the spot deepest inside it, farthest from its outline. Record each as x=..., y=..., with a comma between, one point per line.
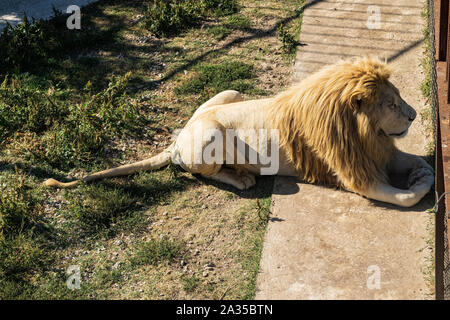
x=165, y=213
x=205, y=273
x=183, y=263
x=176, y=218
x=209, y=266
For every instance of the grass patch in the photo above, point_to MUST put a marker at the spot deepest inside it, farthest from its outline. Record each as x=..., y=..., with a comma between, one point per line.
x=33, y=46
x=99, y=209
x=426, y=86
x=170, y=17
x=68, y=134
x=157, y=251
x=289, y=44
x=20, y=207
x=219, y=32
x=21, y=258
x=250, y=255
x=214, y=78
x=238, y=22
x=190, y=283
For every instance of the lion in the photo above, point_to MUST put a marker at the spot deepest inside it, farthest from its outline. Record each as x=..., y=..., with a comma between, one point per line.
x=336, y=127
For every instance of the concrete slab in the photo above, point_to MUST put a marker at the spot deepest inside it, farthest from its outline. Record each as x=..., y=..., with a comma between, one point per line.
x=12, y=10
x=324, y=243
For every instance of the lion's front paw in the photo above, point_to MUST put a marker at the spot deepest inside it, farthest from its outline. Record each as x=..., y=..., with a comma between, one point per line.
x=247, y=180
x=421, y=179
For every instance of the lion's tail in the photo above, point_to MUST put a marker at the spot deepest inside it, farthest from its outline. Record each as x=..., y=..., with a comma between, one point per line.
x=153, y=163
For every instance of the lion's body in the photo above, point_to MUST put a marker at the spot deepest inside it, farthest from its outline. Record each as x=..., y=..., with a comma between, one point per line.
x=335, y=127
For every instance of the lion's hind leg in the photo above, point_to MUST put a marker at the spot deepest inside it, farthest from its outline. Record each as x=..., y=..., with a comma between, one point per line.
x=224, y=97
x=230, y=176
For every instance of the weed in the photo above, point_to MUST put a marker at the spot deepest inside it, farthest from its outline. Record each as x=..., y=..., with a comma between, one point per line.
x=26, y=106
x=20, y=258
x=100, y=210
x=221, y=8
x=238, y=22
x=289, y=44
x=70, y=133
x=20, y=208
x=157, y=251
x=426, y=85
x=213, y=78
x=219, y=32
x=32, y=46
x=190, y=283
x=170, y=17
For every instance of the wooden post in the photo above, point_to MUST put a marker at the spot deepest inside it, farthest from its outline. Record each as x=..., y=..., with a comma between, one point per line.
x=443, y=29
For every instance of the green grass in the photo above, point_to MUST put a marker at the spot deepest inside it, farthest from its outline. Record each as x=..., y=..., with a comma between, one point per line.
x=427, y=65
x=21, y=257
x=170, y=17
x=190, y=283
x=426, y=86
x=99, y=210
x=36, y=46
x=67, y=134
x=252, y=232
x=20, y=206
x=219, y=32
x=24, y=236
x=157, y=251
x=238, y=21
x=290, y=36
x=214, y=78
x=289, y=44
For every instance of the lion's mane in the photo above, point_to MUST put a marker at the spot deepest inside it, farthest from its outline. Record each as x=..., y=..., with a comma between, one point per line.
x=327, y=134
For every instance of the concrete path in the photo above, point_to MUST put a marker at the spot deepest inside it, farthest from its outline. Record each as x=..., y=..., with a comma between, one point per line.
x=328, y=244
x=12, y=10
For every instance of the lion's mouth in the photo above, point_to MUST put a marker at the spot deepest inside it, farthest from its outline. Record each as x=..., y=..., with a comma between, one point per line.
x=401, y=134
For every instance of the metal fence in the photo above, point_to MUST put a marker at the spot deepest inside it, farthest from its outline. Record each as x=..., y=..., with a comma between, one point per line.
x=439, y=50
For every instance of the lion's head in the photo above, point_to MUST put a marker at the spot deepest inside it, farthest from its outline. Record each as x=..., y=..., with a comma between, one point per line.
x=393, y=114
x=337, y=126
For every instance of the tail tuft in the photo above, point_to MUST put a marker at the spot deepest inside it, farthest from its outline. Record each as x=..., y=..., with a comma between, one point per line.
x=56, y=184
x=51, y=183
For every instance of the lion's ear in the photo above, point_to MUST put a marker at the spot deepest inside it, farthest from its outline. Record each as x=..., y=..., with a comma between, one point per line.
x=356, y=102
